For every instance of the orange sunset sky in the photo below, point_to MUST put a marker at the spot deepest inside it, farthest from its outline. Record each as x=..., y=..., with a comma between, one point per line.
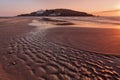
x=98, y=7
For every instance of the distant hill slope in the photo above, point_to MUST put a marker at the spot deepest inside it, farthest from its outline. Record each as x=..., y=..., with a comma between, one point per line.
x=57, y=12
x=108, y=13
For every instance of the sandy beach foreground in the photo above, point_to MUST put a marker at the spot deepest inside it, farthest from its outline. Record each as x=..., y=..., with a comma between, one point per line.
x=38, y=53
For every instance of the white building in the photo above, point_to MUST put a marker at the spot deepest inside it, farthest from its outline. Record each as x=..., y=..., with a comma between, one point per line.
x=40, y=11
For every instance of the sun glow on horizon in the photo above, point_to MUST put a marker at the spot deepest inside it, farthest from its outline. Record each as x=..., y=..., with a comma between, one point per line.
x=117, y=6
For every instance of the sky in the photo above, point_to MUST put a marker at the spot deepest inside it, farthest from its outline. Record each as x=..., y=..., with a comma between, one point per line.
x=15, y=7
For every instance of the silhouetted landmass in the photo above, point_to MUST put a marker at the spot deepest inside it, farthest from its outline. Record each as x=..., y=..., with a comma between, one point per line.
x=57, y=12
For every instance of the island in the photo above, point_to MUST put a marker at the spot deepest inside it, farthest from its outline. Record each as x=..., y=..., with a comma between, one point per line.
x=57, y=12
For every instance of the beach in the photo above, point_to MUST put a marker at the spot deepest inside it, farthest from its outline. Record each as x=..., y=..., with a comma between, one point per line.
x=105, y=41
x=34, y=48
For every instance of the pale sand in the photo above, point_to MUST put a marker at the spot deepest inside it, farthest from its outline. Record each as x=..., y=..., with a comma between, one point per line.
x=53, y=54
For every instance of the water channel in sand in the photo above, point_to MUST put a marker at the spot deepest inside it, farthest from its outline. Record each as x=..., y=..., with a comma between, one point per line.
x=95, y=34
x=84, y=22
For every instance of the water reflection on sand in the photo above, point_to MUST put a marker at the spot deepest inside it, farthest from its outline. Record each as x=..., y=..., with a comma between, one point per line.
x=98, y=34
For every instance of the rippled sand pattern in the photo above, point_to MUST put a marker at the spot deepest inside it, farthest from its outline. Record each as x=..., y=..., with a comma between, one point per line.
x=46, y=60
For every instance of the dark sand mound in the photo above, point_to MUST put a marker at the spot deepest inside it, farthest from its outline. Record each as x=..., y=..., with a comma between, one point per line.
x=57, y=22
x=37, y=56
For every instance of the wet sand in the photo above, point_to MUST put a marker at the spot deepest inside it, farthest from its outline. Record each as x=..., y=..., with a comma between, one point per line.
x=105, y=41
x=10, y=28
x=30, y=53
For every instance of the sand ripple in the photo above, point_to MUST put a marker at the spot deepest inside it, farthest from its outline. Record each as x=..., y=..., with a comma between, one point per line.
x=45, y=60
